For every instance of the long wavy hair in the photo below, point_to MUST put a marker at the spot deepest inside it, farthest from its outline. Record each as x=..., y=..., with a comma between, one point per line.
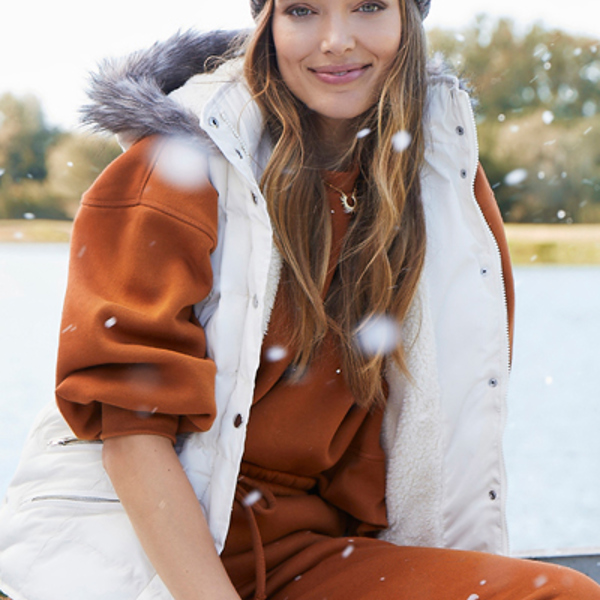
x=383, y=251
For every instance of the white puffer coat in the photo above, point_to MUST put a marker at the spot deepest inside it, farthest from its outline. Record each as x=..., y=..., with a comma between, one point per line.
x=63, y=532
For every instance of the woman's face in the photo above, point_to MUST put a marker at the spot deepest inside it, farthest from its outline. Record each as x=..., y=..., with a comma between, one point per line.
x=334, y=54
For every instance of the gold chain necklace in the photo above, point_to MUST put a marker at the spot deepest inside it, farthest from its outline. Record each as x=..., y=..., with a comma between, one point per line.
x=347, y=206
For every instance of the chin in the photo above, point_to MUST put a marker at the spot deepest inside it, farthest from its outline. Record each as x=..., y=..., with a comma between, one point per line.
x=339, y=115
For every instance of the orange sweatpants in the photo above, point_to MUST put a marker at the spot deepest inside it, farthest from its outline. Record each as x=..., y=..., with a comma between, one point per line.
x=370, y=569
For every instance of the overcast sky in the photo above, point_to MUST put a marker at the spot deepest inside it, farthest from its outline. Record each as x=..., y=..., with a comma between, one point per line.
x=48, y=47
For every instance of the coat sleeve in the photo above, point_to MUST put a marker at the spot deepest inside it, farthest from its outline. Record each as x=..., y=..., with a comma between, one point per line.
x=132, y=356
x=487, y=202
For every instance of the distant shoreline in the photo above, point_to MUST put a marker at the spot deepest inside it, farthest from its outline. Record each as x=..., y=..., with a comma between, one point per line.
x=554, y=244
x=529, y=244
x=35, y=230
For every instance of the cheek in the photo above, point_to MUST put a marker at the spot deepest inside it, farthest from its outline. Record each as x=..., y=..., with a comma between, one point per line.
x=283, y=49
x=286, y=39
x=290, y=49
x=387, y=41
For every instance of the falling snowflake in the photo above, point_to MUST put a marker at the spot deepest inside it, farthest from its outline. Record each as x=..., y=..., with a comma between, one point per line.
x=252, y=498
x=111, y=322
x=379, y=334
x=348, y=550
x=516, y=177
x=29, y=216
x=182, y=163
x=540, y=580
x=561, y=214
x=548, y=117
x=275, y=353
x=401, y=141
x=363, y=133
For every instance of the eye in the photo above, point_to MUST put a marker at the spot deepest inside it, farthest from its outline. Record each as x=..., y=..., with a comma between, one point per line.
x=371, y=7
x=299, y=11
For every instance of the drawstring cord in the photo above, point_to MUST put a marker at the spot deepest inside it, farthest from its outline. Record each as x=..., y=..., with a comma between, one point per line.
x=243, y=494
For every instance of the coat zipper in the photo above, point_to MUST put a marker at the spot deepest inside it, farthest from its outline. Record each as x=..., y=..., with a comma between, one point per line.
x=503, y=415
x=70, y=441
x=73, y=498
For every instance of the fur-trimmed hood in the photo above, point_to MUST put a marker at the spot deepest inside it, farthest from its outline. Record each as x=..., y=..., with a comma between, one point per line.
x=129, y=96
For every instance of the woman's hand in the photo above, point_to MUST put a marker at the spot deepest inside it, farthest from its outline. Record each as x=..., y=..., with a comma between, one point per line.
x=167, y=517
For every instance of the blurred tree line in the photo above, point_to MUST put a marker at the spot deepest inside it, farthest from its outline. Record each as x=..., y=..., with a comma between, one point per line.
x=538, y=113
x=43, y=170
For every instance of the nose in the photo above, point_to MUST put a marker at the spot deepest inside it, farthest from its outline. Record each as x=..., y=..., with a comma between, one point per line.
x=337, y=36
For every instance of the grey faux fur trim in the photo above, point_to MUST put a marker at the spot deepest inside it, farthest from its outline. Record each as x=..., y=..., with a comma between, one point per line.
x=130, y=95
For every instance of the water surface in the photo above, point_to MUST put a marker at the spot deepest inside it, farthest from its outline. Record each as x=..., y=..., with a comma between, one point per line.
x=552, y=441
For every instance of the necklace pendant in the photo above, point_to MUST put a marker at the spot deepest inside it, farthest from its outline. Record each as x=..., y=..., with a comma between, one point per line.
x=347, y=206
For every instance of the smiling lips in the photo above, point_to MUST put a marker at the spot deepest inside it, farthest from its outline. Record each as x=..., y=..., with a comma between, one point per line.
x=339, y=74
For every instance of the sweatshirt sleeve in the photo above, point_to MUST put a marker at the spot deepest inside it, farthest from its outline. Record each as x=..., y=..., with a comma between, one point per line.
x=132, y=356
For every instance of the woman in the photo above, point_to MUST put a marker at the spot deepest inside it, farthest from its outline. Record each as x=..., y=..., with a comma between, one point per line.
x=221, y=334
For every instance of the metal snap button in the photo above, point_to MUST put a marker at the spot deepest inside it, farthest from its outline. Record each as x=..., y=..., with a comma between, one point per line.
x=213, y=122
x=463, y=173
x=460, y=130
x=237, y=421
x=493, y=382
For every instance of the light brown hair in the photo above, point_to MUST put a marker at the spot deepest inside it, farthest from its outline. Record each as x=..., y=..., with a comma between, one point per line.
x=383, y=252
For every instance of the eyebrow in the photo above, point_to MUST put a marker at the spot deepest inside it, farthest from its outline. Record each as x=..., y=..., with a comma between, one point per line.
x=285, y=2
